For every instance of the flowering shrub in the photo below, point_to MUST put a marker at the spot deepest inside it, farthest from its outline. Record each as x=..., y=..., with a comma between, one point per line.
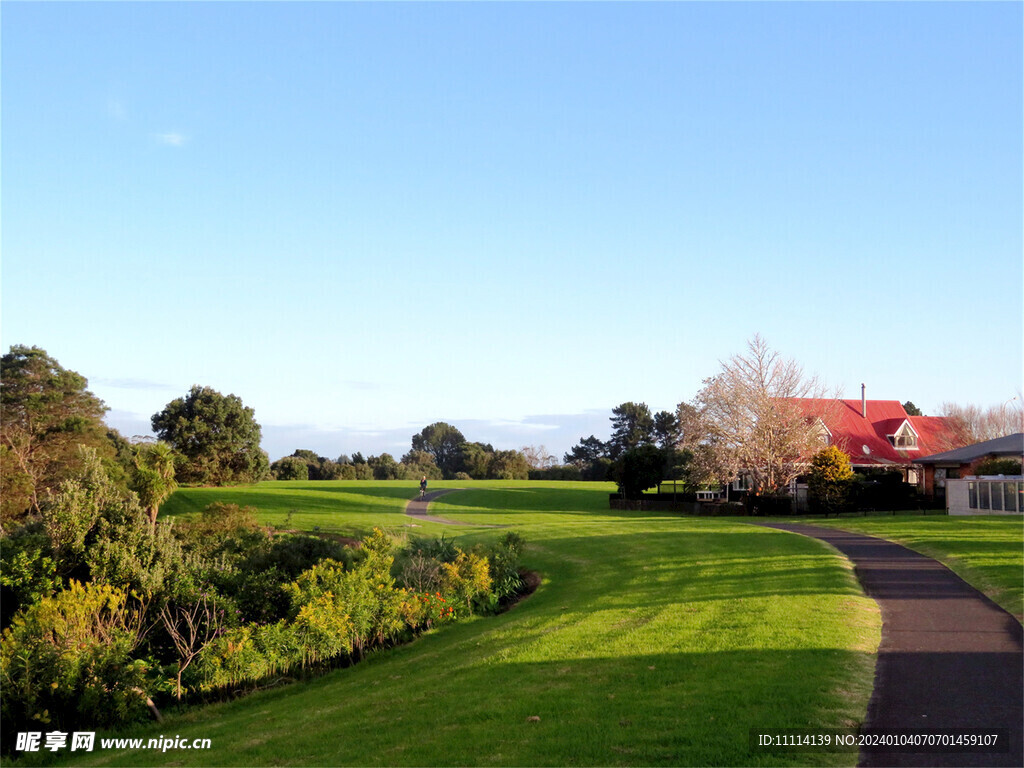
x=426, y=609
x=336, y=611
x=67, y=660
x=466, y=579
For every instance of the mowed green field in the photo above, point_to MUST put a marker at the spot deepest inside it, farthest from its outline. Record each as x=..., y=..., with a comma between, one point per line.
x=349, y=507
x=652, y=640
x=985, y=551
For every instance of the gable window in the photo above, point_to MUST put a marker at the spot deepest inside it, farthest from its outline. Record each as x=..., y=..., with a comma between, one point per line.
x=824, y=436
x=905, y=438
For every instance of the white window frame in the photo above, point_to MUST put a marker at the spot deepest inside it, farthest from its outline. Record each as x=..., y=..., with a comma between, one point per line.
x=903, y=433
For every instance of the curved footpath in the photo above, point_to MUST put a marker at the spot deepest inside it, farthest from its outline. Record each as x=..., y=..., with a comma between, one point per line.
x=950, y=659
x=418, y=508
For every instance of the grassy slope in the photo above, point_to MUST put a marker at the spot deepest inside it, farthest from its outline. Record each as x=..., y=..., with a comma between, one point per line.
x=652, y=640
x=985, y=551
x=350, y=507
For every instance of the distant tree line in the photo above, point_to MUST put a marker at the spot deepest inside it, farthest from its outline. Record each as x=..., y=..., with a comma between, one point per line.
x=739, y=420
x=439, y=451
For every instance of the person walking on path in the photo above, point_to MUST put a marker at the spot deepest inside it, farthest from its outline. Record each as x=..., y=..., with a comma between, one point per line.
x=423, y=486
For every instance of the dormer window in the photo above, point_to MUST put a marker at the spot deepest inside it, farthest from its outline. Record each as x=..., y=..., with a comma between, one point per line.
x=823, y=434
x=905, y=438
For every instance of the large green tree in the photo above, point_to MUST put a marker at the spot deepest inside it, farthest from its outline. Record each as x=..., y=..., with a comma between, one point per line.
x=667, y=432
x=632, y=426
x=509, y=465
x=47, y=412
x=911, y=409
x=475, y=459
x=444, y=443
x=290, y=468
x=384, y=467
x=586, y=452
x=217, y=436
x=638, y=469
x=417, y=464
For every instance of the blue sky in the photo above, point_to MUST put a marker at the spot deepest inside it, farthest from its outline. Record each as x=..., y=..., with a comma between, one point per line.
x=363, y=218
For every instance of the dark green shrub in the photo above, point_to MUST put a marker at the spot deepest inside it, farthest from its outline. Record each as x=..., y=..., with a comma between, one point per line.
x=995, y=466
x=259, y=595
x=598, y=469
x=290, y=468
x=567, y=472
x=28, y=572
x=418, y=572
x=291, y=554
x=503, y=562
x=639, y=469
x=440, y=549
x=883, y=490
x=769, y=504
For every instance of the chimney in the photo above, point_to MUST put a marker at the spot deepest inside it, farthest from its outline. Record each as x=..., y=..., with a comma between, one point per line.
x=863, y=403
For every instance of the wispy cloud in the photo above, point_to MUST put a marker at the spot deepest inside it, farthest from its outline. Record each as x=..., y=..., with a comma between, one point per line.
x=129, y=424
x=172, y=139
x=130, y=383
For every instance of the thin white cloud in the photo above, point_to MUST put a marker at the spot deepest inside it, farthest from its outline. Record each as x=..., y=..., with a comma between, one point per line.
x=129, y=424
x=130, y=383
x=172, y=139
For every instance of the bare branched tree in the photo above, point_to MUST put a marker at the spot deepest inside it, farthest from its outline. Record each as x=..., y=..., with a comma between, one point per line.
x=420, y=573
x=974, y=424
x=537, y=457
x=191, y=627
x=751, y=414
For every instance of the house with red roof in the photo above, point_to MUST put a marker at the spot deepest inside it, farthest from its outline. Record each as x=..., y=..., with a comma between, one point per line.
x=880, y=434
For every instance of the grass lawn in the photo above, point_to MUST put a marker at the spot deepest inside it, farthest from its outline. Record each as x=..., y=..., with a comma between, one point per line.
x=985, y=551
x=350, y=507
x=653, y=640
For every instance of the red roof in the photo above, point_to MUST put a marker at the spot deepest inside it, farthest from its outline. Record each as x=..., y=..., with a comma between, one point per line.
x=866, y=439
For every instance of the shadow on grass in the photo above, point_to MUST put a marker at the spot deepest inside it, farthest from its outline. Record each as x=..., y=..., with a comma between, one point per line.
x=722, y=564
x=646, y=709
x=529, y=501
x=353, y=499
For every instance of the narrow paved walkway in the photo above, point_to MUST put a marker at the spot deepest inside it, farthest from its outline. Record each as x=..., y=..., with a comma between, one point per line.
x=418, y=508
x=949, y=659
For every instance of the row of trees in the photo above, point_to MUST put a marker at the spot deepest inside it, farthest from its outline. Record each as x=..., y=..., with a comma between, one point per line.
x=204, y=438
x=438, y=451
x=49, y=416
x=745, y=417
x=975, y=424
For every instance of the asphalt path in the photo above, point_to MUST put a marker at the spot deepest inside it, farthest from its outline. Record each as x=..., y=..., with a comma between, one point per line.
x=950, y=659
x=417, y=508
